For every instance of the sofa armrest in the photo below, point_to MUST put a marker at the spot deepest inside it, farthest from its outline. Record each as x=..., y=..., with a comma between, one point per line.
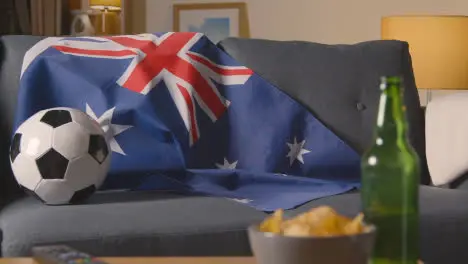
x=447, y=139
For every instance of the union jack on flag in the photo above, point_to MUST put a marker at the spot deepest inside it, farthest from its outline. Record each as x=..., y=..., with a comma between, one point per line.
x=181, y=114
x=188, y=75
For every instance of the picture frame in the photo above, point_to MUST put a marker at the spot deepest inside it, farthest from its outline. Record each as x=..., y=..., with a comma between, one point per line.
x=216, y=20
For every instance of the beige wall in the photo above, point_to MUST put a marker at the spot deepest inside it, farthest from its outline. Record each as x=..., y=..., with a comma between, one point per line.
x=325, y=21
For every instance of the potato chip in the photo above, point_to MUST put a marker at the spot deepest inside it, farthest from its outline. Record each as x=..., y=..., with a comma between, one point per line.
x=320, y=221
x=355, y=226
x=296, y=229
x=273, y=223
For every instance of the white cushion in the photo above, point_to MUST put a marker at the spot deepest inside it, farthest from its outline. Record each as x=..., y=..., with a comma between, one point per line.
x=447, y=137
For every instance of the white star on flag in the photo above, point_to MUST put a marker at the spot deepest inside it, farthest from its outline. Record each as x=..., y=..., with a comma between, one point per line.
x=296, y=150
x=111, y=130
x=227, y=165
x=243, y=201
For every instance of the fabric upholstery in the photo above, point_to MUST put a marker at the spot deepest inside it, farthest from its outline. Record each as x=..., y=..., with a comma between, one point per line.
x=148, y=224
x=12, y=49
x=443, y=221
x=338, y=83
x=131, y=224
x=447, y=138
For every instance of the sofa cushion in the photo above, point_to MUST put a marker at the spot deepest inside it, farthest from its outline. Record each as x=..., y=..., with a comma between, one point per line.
x=446, y=135
x=443, y=227
x=338, y=83
x=131, y=224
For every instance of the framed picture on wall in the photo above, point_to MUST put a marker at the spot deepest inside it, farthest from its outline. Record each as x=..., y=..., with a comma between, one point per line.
x=216, y=20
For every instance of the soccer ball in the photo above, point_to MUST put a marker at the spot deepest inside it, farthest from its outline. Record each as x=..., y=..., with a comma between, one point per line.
x=60, y=155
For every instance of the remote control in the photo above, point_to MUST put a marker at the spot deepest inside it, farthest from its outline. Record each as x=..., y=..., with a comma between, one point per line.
x=61, y=254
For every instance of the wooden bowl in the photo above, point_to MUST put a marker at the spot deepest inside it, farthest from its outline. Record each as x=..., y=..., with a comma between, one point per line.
x=269, y=248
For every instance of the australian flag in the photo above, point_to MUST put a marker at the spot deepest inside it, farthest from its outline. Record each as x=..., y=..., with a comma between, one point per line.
x=182, y=115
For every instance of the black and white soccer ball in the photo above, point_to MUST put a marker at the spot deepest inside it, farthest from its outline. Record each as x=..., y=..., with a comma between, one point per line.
x=60, y=155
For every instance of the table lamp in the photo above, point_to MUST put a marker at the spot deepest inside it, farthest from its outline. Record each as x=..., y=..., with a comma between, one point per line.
x=105, y=6
x=438, y=46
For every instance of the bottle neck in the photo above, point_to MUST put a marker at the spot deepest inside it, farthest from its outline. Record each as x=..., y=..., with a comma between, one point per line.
x=391, y=120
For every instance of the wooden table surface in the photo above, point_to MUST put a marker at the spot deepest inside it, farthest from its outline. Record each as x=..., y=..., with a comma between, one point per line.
x=186, y=260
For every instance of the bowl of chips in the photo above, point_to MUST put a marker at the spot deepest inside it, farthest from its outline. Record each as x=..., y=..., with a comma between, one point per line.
x=320, y=235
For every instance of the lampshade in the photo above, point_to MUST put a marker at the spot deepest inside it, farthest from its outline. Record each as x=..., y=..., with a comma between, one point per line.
x=438, y=47
x=101, y=4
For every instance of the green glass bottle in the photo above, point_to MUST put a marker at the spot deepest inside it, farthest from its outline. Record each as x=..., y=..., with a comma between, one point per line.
x=390, y=181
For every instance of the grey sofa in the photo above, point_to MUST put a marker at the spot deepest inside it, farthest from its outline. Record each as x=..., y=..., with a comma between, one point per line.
x=338, y=83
